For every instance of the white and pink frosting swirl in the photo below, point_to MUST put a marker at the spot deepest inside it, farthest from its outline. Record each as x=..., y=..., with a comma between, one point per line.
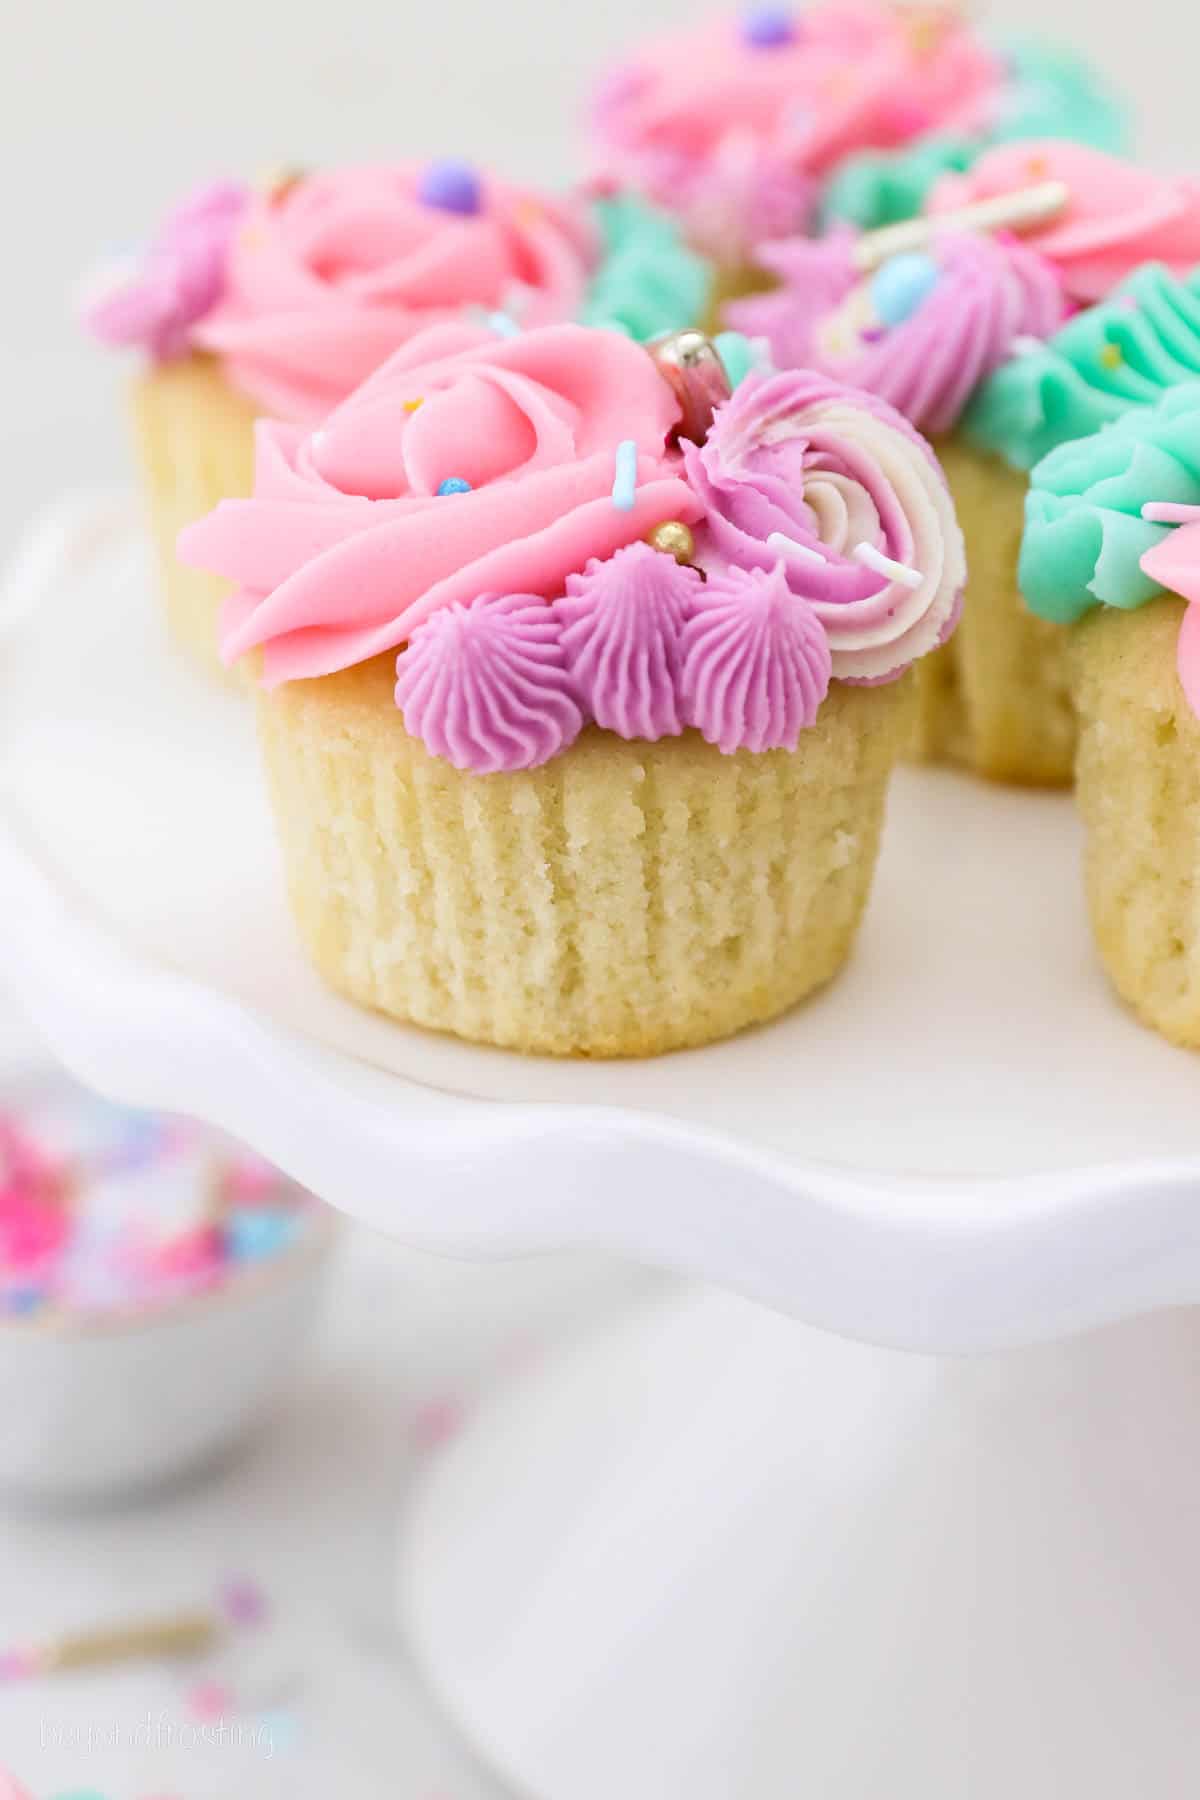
x=480, y=505
x=923, y=343
x=838, y=487
x=336, y=270
x=731, y=123
x=347, y=545
x=1117, y=215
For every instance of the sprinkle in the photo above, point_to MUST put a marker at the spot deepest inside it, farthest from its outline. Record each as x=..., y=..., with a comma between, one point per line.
x=22, y=1301
x=900, y=285
x=1024, y=344
x=1127, y=303
x=243, y=1601
x=454, y=484
x=452, y=187
x=435, y=1423
x=887, y=565
x=872, y=334
x=503, y=324
x=209, y=1700
x=18, y=1665
x=1170, y=512
x=768, y=27
x=1111, y=356
x=410, y=406
x=253, y=1233
x=778, y=540
x=625, y=482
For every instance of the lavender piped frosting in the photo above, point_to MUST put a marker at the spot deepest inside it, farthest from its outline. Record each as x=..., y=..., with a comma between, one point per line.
x=622, y=624
x=927, y=350
x=756, y=662
x=486, y=686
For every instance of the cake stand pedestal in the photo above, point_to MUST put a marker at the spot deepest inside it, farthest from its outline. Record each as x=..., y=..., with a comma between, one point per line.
x=918, y=1513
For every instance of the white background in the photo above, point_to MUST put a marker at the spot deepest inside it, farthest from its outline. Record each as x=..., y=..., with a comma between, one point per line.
x=108, y=108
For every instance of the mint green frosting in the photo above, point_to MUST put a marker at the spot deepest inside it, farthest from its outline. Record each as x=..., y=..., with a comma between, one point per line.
x=1050, y=93
x=1124, y=352
x=648, y=281
x=881, y=187
x=1084, y=533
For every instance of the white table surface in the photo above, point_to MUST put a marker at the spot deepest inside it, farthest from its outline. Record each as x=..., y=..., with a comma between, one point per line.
x=311, y=1515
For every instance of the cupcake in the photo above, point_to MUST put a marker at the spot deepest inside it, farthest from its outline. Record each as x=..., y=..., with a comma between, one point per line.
x=1112, y=552
x=1049, y=92
x=581, y=679
x=955, y=334
x=281, y=301
x=733, y=125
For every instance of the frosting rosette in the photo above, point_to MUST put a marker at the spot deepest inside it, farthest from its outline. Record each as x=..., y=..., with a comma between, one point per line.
x=1117, y=215
x=1088, y=540
x=732, y=123
x=467, y=465
x=1126, y=351
x=335, y=270
x=922, y=332
x=837, y=487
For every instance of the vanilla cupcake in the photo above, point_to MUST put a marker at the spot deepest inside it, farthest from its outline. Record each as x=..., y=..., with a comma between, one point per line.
x=734, y=124
x=580, y=702
x=1112, y=554
x=281, y=301
x=967, y=337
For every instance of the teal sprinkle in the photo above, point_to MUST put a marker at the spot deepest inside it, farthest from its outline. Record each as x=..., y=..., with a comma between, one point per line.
x=648, y=281
x=503, y=324
x=624, y=488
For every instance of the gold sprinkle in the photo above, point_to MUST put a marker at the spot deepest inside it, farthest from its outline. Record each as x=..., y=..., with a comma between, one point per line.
x=528, y=213
x=1111, y=356
x=274, y=184
x=673, y=538
x=412, y=405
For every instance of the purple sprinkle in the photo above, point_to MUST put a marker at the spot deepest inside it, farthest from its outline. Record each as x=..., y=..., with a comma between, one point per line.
x=452, y=186
x=871, y=334
x=768, y=27
x=243, y=1601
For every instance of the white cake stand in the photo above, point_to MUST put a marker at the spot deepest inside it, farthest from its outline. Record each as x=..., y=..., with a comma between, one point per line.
x=725, y=1552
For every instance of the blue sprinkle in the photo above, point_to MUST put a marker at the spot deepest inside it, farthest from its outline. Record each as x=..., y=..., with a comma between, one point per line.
x=503, y=324
x=625, y=484
x=23, y=1300
x=768, y=27
x=454, y=484
x=253, y=1233
x=900, y=285
x=451, y=186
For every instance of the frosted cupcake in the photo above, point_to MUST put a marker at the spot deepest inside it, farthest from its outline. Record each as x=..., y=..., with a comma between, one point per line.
x=1048, y=92
x=734, y=124
x=281, y=301
x=1112, y=551
x=580, y=701
x=955, y=335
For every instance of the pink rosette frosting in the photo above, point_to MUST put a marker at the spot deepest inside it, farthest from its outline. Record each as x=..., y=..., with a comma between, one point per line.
x=486, y=686
x=155, y=298
x=837, y=487
x=347, y=545
x=731, y=124
x=984, y=295
x=622, y=627
x=1118, y=215
x=336, y=271
x=756, y=661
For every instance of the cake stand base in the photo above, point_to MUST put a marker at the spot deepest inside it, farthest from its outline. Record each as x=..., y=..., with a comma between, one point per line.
x=714, y=1555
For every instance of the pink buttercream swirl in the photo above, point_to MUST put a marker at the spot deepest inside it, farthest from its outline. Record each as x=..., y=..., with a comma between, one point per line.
x=347, y=546
x=1117, y=217
x=988, y=294
x=828, y=481
x=331, y=275
x=733, y=132
x=156, y=297
x=486, y=686
x=756, y=661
